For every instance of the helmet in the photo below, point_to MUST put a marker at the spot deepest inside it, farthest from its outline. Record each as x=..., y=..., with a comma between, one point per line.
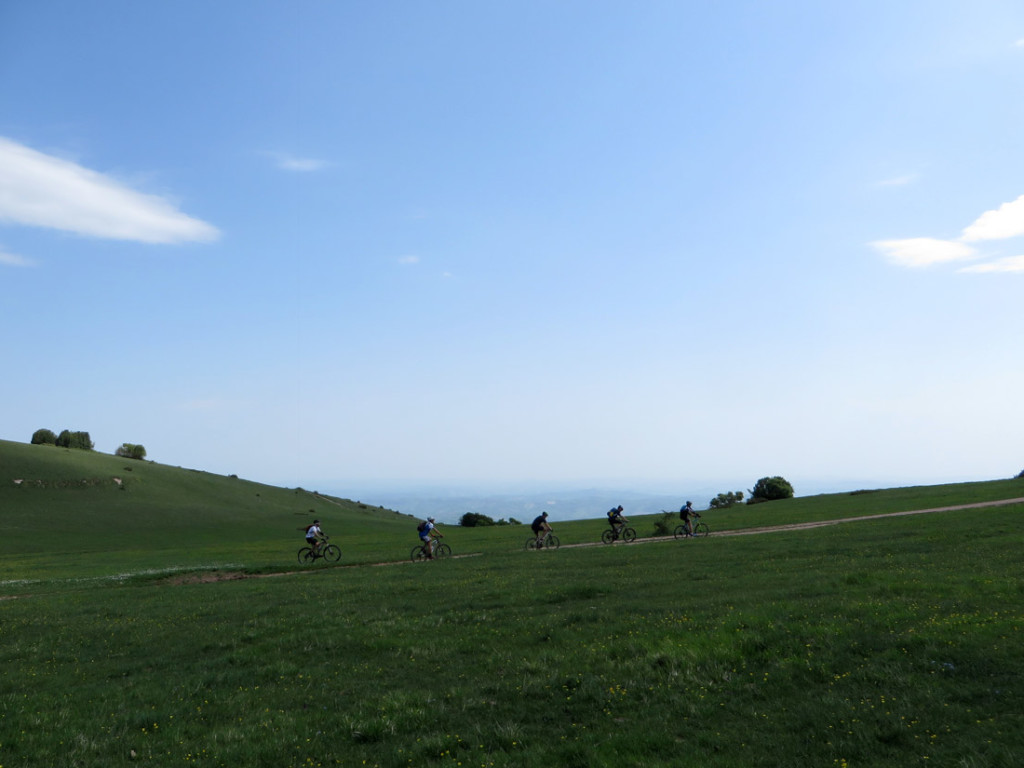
x=430, y=519
x=689, y=503
x=316, y=522
x=543, y=514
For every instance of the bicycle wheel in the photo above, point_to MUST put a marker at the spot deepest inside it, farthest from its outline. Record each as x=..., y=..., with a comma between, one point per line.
x=608, y=536
x=680, y=532
x=531, y=543
x=331, y=553
x=628, y=535
x=418, y=553
x=701, y=529
x=442, y=550
x=306, y=556
x=551, y=541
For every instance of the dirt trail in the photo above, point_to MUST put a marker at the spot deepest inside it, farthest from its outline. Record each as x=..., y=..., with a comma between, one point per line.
x=820, y=523
x=215, y=576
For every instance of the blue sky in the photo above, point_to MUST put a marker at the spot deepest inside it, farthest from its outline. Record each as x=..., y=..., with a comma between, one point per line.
x=654, y=245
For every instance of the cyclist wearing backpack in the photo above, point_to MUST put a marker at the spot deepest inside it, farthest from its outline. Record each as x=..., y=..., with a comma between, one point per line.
x=428, y=531
x=314, y=536
x=686, y=514
x=616, y=520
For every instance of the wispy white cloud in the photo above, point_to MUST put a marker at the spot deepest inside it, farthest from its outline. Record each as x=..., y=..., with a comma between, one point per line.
x=924, y=251
x=410, y=259
x=1004, y=222
x=289, y=162
x=44, y=191
x=898, y=181
x=1020, y=43
x=1009, y=264
x=14, y=260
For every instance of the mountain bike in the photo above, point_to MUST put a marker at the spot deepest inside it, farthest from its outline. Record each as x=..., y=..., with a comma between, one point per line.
x=625, y=533
x=699, y=529
x=549, y=541
x=329, y=552
x=441, y=550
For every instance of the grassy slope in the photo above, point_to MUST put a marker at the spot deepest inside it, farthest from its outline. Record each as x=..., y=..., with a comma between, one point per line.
x=69, y=515
x=69, y=518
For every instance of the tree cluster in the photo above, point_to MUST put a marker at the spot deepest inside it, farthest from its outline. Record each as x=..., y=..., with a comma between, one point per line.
x=131, y=451
x=66, y=439
x=726, y=500
x=474, y=519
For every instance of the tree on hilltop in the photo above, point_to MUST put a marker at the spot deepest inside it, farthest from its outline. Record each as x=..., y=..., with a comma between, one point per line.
x=131, y=451
x=473, y=519
x=771, y=489
x=726, y=500
x=44, y=437
x=69, y=439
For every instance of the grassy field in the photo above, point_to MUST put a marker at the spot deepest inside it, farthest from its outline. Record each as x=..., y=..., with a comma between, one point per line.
x=891, y=642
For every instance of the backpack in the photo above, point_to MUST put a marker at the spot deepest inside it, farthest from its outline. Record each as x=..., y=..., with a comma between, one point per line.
x=422, y=526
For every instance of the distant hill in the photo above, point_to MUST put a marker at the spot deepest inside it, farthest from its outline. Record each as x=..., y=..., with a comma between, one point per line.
x=580, y=504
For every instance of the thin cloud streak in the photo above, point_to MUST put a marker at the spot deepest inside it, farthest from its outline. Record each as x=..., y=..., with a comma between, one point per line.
x=14, y=260
x=288, y=162
x=40, y=190
x=1009, y=264
x=898, y=181
x=923, y=251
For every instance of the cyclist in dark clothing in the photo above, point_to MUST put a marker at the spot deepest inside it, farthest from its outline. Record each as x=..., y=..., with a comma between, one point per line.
x=616, y=519
x=686, y=514
x=540, y=526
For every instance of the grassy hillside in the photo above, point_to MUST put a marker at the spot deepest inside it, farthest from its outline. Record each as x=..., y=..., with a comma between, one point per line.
x=75, y=508
x=70, y=514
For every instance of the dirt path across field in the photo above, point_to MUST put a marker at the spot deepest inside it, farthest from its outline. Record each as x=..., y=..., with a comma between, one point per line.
x=821, y=523
x=193, y=578
x=215, y=576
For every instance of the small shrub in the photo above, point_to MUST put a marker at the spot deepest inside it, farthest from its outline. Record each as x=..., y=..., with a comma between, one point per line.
x=664, y=525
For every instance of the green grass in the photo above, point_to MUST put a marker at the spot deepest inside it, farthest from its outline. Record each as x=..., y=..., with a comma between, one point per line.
x=876, y=643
